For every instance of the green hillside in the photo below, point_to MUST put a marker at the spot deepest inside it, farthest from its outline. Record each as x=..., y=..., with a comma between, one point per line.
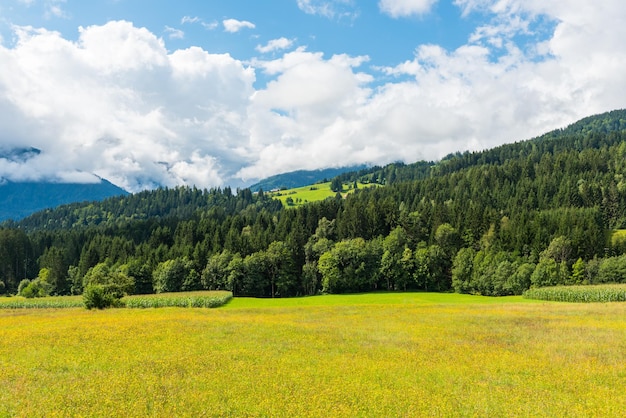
x=315, y=192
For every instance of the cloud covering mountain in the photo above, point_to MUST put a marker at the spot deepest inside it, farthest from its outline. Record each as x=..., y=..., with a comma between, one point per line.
x=117, y=102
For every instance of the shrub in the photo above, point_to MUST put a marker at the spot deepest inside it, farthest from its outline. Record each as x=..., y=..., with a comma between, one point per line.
x=37, y=288
x=23, y=284
x=111, y=278
x=101, y=297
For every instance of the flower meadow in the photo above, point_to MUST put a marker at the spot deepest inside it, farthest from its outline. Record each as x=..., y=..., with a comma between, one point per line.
x=404, y=354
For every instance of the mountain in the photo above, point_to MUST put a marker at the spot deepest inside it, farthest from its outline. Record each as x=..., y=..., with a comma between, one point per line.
x=19, y=200
x=301, y=178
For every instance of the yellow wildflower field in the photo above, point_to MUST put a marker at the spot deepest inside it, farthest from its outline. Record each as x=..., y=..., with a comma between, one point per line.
x=403, y=357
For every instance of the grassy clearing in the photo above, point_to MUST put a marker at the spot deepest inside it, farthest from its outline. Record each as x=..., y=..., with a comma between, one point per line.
x=313, y=193
x=590, y=293
x=409, y=355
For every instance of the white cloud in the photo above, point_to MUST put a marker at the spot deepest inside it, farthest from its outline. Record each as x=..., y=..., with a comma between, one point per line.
x=275, y=45
x=234, y=25
x=174, y=33
x=331, y=9
x=295, y=119
x=190, y=19
x=211, y=25
x=404, y=8
x=480, y=95
x=54, y=9
x=195, y=19
x=116, y=104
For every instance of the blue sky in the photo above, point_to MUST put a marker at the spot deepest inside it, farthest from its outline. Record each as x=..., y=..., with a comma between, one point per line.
x=149, y=93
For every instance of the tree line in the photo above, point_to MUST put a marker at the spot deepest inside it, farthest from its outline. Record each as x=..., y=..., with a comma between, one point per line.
x=496, y=222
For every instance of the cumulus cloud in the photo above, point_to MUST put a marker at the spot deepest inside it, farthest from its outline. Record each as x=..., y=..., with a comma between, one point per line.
x=404, y=8
x=275, y=45
x=118, y=104
x=497, y=88
x=234, y=25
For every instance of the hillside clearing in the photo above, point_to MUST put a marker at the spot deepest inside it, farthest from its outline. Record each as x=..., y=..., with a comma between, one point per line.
x=314, y=192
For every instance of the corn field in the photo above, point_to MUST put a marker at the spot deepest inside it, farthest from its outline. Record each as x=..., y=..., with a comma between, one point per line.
x=593, y=293
x=211, y=299
x=207, y=299
x=18, y=302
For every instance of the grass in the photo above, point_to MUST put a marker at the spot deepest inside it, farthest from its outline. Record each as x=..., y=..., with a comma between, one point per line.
x=587, y=293
x=403, y=354
x=313, y=193
x=380, y=298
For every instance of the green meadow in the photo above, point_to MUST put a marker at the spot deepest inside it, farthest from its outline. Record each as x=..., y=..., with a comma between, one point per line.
x=386, y=354
x=312, y=193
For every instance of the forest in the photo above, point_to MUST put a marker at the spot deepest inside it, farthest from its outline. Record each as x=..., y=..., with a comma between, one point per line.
x=545, y=211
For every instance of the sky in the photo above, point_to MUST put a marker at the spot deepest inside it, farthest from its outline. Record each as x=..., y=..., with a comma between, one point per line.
x=214, y=93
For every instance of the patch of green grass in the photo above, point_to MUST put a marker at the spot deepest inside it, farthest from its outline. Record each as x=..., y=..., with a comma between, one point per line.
x=312, y=193
x=588, y=293
x=380, y=298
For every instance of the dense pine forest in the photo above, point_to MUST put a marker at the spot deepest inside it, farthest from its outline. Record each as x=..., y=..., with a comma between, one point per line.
x=540, y=212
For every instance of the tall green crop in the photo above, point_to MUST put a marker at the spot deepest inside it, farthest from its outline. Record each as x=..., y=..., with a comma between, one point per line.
x=595, y=293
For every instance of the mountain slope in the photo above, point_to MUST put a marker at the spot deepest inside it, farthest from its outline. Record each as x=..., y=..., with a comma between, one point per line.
x=19, y=200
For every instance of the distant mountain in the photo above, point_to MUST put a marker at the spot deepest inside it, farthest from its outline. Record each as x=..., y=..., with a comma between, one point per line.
x=18, y=200
x=19, y=154
x=301, y=178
